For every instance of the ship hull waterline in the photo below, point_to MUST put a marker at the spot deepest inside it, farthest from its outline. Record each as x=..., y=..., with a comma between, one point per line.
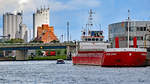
x=106, y=59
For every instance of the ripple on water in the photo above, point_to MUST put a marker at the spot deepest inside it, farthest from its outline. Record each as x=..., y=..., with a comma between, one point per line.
x=48, y=72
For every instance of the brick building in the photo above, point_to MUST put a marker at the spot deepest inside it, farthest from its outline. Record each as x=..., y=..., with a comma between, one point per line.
x=46, y=34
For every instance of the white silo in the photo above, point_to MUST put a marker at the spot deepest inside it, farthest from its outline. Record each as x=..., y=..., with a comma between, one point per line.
x=23, y=32
x=40, y=17
x=11, y=24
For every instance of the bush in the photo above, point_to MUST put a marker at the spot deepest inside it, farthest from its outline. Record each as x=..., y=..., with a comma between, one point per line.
x=48, y=58
x=17, y=40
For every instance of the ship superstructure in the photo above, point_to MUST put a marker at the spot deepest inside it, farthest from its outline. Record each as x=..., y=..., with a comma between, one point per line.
x=91, y=48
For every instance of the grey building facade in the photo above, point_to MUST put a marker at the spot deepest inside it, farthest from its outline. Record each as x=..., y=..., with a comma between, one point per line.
x=139, y=29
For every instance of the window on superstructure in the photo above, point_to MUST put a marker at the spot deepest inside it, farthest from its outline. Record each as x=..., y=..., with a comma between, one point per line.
x=130, y=38
x=96, y=39
x=144, y=28
x=141, y=29
x=127, y=28
x=101, y=33
x=93, y=39
x=89, y=39
x=86, y=39
x=142, y=38
x=137, y=29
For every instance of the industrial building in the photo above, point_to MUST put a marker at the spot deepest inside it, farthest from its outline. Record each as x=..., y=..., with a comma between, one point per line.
x=139, y=29
x=23, y=32
x=46, y=34
x=11, y=24
x=13, y=27
x=41, y=16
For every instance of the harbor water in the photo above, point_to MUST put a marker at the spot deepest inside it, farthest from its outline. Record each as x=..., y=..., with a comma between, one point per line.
x=48, y=72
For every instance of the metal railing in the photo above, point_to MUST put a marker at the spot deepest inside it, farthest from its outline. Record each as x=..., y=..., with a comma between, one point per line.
x=35, y=44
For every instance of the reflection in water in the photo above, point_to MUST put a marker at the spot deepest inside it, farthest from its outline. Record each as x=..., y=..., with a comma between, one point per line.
x=48, y=72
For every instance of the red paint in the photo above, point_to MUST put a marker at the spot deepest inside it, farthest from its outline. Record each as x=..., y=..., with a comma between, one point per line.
x=124, y=58
x=88, y=57
x=135, y=42
x=117, y=42
x=50, y=53
x=101, y=58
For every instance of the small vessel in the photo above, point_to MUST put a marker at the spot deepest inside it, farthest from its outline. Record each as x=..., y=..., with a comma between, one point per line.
x=60, y=61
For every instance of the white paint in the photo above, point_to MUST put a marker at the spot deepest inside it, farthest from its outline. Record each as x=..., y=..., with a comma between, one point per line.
x=125, y=50
x=93, y=45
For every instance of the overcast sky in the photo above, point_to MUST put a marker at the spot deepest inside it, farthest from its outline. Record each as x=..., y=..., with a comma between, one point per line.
x=76, y=12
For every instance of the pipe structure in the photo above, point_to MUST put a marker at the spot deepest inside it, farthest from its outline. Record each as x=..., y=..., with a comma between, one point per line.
x=145, y=40
x=135, y=42
x=117, y=42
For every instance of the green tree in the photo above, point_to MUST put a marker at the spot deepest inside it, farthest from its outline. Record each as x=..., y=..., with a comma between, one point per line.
x=55, y=41
x=65, y=51
x=16, y=40
x=39, y=53
x=36, y=41
x=58, y=52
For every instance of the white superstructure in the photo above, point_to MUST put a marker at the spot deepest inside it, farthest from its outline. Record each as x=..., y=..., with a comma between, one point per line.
x=11, y=24
x=40, y=17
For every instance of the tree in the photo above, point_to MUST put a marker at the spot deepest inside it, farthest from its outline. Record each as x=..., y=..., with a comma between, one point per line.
x=39, y=53
x=16, y=40
x=58, y=52
x=36, y=41
x=55, y=41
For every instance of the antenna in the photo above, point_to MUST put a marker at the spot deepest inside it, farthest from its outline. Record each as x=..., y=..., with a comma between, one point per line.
x=68, y=31
x=128, y=26
x=70, y=37
x=90, y=19
x=62, y=37
x=100, y=26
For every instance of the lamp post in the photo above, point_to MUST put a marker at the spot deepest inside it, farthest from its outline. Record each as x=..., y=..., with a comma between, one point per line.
x=68, y=32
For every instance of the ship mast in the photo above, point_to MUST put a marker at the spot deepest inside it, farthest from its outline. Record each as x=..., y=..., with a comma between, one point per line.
x=90, y=20
x=128, y=27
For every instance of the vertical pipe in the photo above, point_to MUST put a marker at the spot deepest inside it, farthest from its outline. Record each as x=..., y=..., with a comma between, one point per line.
x=128, y=26
x=145, y=41
x=135, y=42
x=117, y=42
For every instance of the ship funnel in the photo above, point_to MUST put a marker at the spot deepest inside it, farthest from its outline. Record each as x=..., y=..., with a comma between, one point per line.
x=135, y=42
x=117, y=42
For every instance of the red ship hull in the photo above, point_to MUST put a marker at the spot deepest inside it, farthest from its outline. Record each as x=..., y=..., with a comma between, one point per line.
x=111, y=58
x=124, y=59
x=88, y=57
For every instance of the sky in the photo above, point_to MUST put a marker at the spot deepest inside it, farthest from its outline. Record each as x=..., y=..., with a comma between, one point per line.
x=76, y=12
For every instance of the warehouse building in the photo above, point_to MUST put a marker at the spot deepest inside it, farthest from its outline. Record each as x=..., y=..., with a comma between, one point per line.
x=139, y=29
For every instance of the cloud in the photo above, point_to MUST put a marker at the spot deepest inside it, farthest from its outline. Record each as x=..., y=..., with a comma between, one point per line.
x=55, y=5
x=15, y=5
x=29, y=6
x=73, y=4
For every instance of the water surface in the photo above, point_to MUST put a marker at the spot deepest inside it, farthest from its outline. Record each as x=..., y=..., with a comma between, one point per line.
x=48, y=72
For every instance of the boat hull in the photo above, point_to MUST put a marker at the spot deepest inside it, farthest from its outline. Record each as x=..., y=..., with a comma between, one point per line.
x=122, y=58
x=88, y=58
